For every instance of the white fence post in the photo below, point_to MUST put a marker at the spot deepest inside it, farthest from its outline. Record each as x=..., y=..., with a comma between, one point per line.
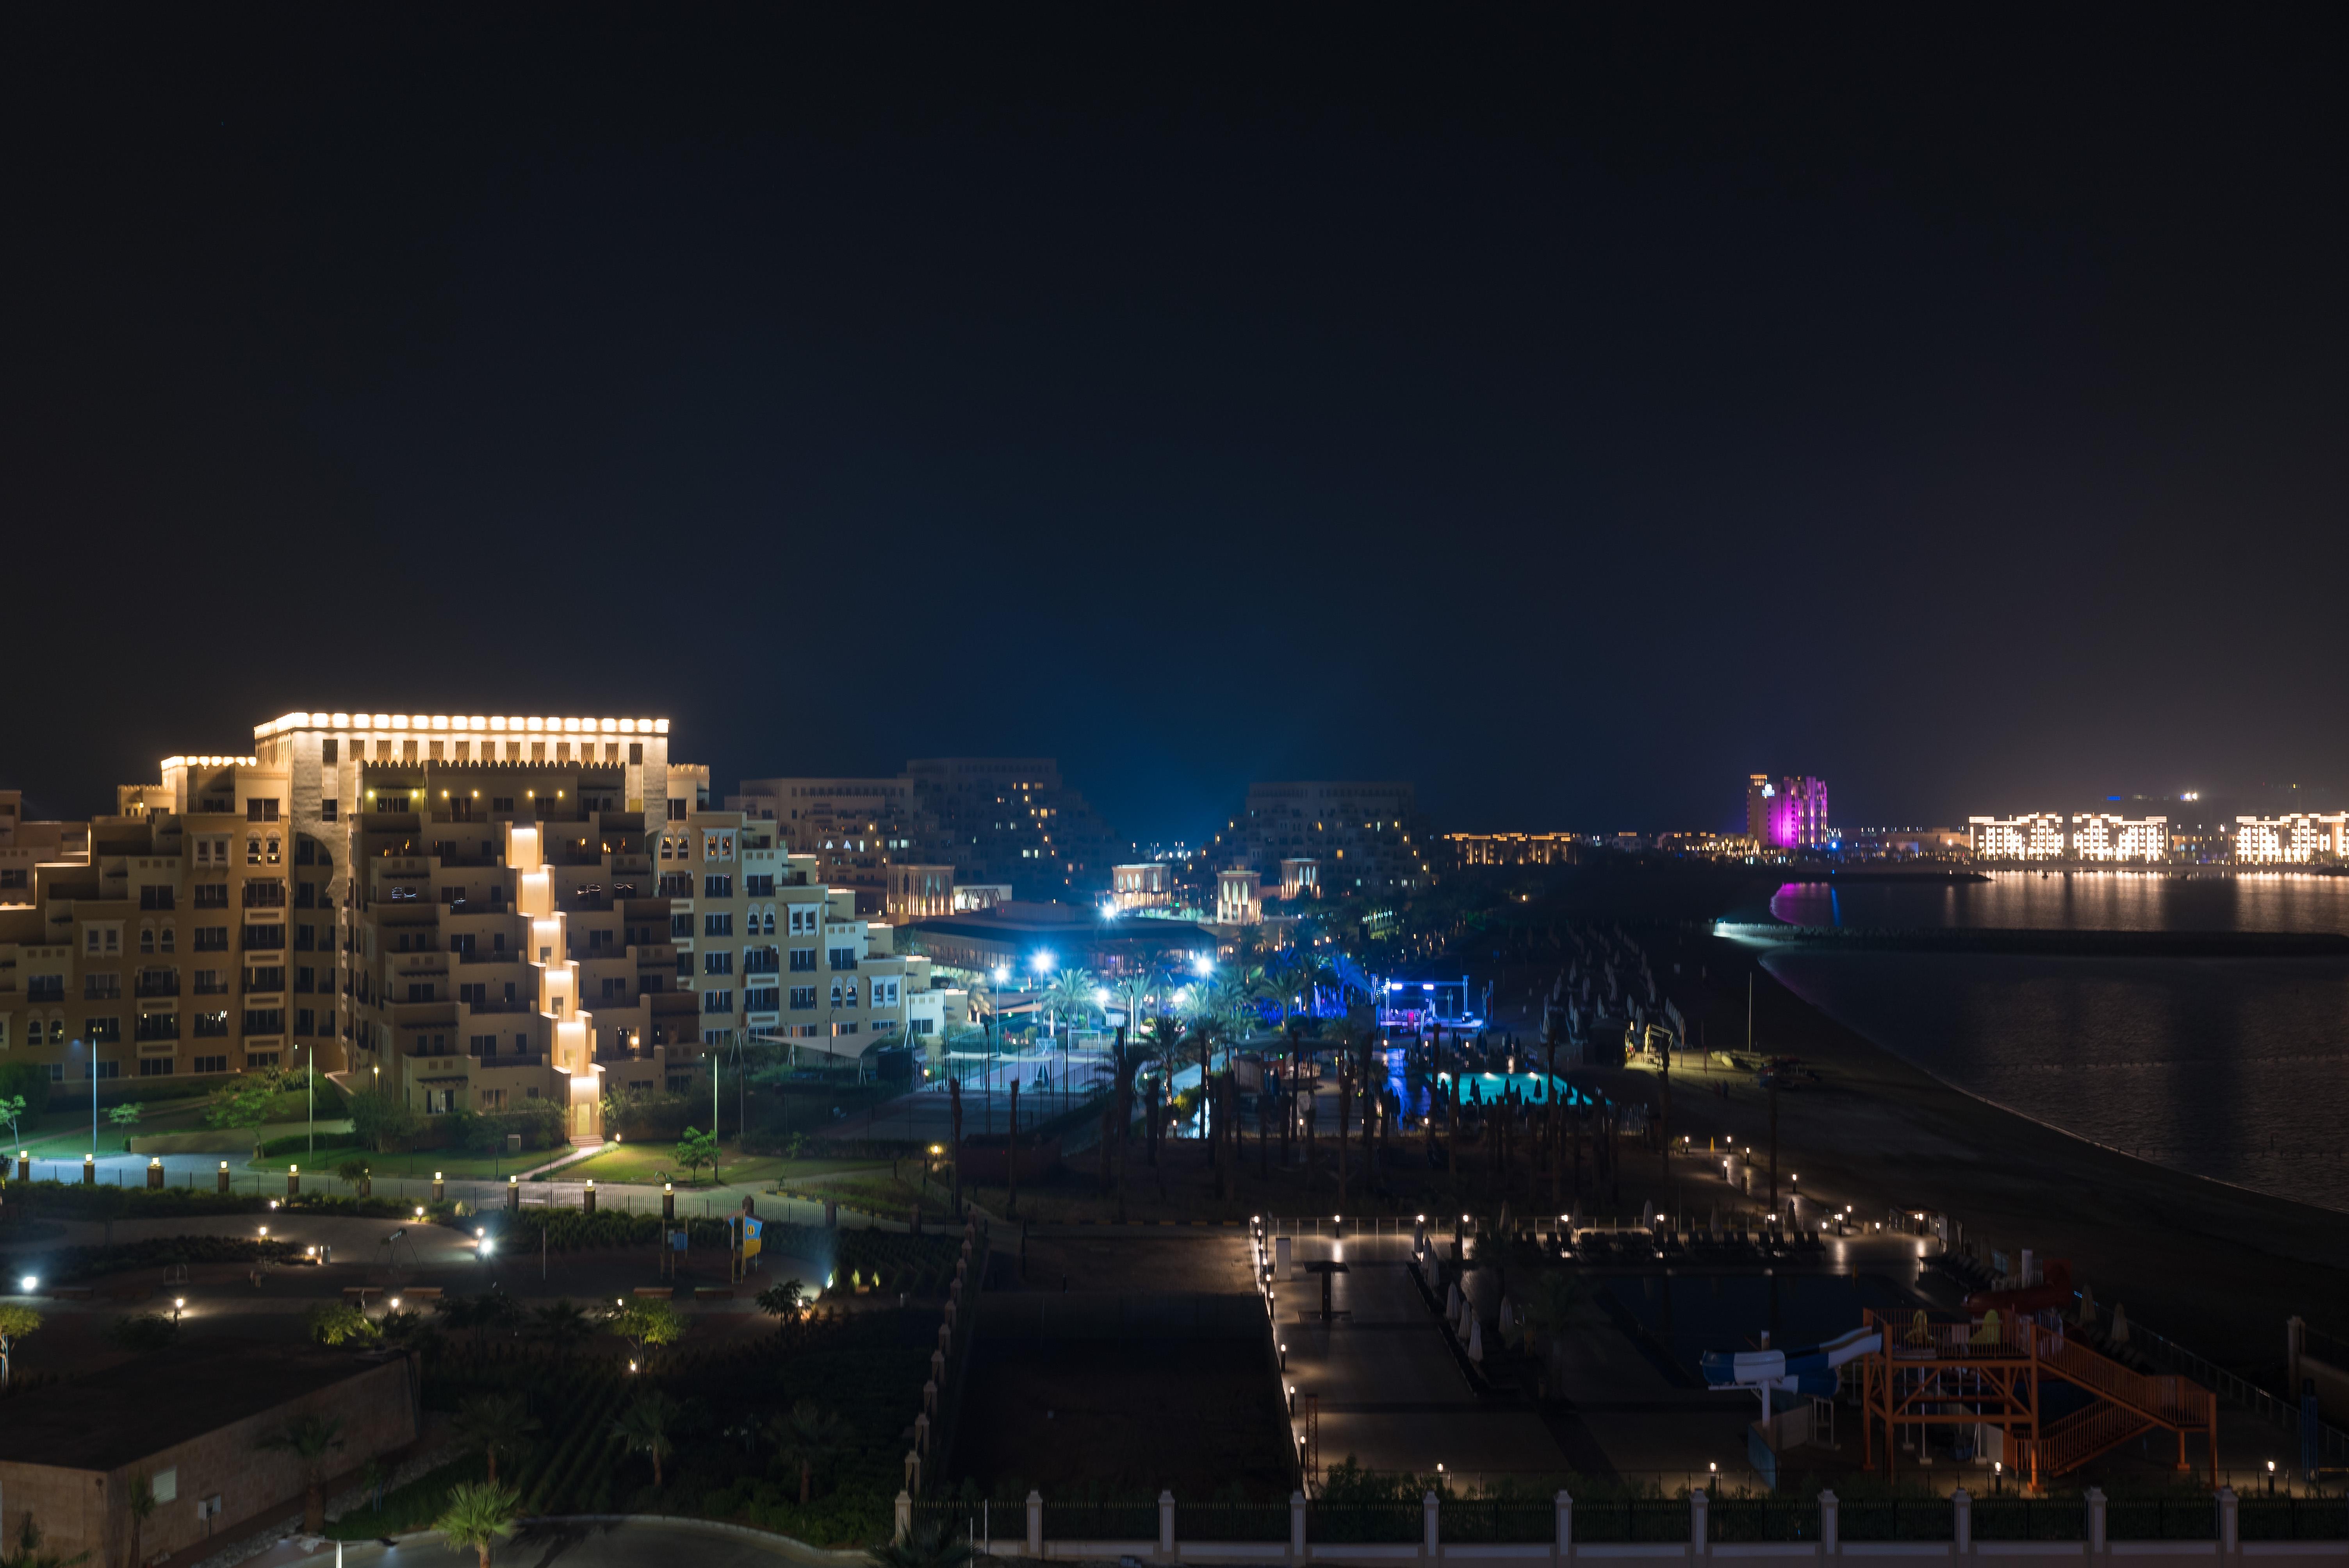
x=1962, y=1509
x=1297, y=1527
x=2231, y=1524
x=1830, y=1531
x=1165, y=1523
x=1431, y=1541
x=1035, y=1523
x=1565, y=1538
x=905, y=1516
x=2096, y=1519
x=1698, y=1504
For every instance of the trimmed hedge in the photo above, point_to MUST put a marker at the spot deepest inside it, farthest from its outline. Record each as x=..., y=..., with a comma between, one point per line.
x=72, y=1201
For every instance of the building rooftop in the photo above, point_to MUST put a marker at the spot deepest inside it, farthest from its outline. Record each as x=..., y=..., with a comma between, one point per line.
x=147, y=1404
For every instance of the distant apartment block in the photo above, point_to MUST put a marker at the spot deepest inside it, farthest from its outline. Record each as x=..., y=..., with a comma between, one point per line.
x=999, y=820
x=2092, y=837
x=2297, y=839
x=2105, y=837
x=1364, y=836
x=2035, y=836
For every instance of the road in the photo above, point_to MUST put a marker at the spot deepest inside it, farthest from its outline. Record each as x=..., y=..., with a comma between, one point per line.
x=622, y=1543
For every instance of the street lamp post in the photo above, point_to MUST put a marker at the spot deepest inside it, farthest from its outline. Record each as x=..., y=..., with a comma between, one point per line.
x=93, y=1095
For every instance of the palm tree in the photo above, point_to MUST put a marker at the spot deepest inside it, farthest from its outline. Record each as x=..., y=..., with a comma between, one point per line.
x=478, y=1514
x=142, y=1504
x=310, y=1440
x=1205, y=1032
x=496, y=1423
x=1071, y=999
x=29, y=1554
x=926, y=1546
x=805, y=1435
x=561, y=1325
x=645, y=1427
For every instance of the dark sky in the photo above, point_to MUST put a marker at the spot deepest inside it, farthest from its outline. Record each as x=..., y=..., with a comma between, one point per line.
x=1570, y=409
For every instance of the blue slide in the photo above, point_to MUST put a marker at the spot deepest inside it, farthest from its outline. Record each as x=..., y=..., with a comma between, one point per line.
x=1810, y=1369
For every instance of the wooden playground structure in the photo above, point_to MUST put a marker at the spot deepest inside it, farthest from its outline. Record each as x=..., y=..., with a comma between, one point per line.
x=1989, y=1372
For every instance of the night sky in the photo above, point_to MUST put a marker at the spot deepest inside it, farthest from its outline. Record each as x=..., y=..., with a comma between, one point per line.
x=1571, y=410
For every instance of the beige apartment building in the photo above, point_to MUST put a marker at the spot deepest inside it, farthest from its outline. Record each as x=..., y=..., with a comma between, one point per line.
x=472, y=912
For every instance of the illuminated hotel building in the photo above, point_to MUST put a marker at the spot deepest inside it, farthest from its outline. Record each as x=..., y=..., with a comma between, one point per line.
x=2035, y=836
x=1512, y=849
x=2294, y=840
x=2105, y=837
x=473, y=912
x=1789, y=814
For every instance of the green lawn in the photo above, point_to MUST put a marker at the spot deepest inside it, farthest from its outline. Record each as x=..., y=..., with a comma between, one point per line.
x=651, y=1163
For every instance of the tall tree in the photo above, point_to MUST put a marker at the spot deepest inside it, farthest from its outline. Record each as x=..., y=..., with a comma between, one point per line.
x=649, y=1427
x=496, y=1424
x=310, y=1440
x=806, y=1436
x=141, y=1505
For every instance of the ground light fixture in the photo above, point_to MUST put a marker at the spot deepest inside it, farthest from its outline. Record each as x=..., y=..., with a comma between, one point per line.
x=394, y=1303
x=30, y=1284
x=179, y=1306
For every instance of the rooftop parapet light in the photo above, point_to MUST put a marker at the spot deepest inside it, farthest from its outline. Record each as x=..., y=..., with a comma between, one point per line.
x=444, y=723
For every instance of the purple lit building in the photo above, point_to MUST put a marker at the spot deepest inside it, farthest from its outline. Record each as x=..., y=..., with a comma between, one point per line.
x=1787, y=813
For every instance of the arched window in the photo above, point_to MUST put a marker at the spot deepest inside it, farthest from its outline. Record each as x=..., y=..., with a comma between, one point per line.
x=252, y=851
x=167, y=936
x=146, y=939
x=273, y=849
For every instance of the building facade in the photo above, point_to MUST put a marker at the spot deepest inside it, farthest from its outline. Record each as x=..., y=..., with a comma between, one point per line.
x=2296, y=839
x=2106, y=838
x=1365, y=836
x=1512, y=849
x=2035, y=836
x=1008, y=822
x=471, y=913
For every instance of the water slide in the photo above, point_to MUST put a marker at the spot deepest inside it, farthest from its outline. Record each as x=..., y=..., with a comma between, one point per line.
x=1809, y=1369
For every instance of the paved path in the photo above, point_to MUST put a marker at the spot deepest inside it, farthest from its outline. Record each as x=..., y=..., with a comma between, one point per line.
x=582, y=1544
x=1390, y=1394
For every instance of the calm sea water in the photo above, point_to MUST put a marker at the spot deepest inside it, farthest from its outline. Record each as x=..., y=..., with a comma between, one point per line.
x=2232, y=1069
x=2079, y=901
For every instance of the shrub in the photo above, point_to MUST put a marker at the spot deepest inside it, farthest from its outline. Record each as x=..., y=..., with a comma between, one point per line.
x=143, y=1331
x=339, y=1322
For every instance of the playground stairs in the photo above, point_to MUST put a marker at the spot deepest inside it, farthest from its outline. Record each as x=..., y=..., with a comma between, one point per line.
x=2129, y=1404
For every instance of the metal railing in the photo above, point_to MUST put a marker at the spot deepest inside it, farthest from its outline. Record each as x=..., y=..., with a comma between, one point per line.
x=2292, y=1518
x=2332, y=1443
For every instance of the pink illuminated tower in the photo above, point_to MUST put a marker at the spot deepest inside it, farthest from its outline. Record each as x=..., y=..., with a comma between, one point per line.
x=1787, y=813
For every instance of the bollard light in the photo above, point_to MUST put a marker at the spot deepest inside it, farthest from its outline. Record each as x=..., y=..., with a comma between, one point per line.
x=30, y=1284
x=394, y=1304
